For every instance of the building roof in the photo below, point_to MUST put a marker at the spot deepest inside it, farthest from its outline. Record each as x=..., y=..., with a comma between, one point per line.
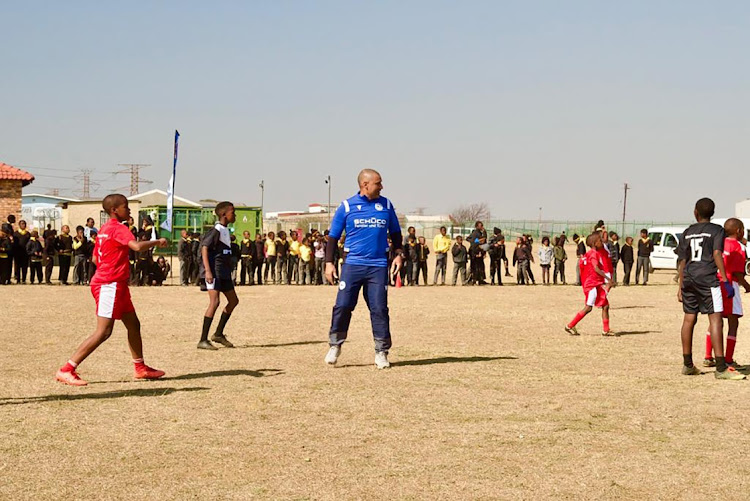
x=52, y=197
x=10, y=173
x=179, y=201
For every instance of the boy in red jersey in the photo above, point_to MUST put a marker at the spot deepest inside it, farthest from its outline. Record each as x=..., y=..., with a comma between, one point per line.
x=109, y=286
x=734, y=264
x=595, y=285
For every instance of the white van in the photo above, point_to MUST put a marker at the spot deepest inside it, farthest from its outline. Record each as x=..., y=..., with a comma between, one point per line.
x=665, y=239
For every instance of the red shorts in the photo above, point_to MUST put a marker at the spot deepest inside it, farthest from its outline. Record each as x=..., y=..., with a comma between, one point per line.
x=112, y=300
x=732, y=306
x=596, y=297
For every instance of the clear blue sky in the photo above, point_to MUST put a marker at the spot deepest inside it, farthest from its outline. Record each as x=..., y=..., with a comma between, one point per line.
x=518, y=104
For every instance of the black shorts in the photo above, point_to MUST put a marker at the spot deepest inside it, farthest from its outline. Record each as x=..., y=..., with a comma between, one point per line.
x=701, y=299
x=220, y=284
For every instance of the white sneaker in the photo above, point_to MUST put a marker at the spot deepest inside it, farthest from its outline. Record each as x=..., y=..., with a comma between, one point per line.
x=381, y=360
x=333, y=355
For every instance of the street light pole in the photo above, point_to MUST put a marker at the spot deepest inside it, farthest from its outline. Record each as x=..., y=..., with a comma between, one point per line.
x=328, y=208
x=262, y=187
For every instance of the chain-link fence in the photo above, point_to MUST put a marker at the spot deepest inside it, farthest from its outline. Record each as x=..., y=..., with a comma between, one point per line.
x=537, y=229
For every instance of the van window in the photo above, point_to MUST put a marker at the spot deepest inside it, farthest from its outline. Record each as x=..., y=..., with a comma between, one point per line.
x=655, y=238
x=670, y=241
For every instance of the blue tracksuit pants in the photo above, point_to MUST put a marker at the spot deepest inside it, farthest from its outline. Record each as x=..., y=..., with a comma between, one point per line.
x=374, y=284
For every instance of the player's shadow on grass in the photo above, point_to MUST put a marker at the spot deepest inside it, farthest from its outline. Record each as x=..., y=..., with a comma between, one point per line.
x=139, y=392
x=233, y=372
x=280, y=345
x=636, y=333
x=439, y=360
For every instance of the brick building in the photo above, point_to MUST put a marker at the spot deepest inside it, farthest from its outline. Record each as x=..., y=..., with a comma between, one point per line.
x=12, y=181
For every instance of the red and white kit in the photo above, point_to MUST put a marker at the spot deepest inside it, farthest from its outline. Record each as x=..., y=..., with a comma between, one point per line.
x=734, y=262
x=593, y=283
x=109, y=286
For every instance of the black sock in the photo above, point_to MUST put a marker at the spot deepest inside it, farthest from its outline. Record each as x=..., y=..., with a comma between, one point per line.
x=721, y=364
x=206, y=327
x=687, y=360
x=222, y=323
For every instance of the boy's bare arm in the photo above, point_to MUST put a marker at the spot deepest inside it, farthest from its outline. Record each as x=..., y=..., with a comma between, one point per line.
x=142, y=246
x=680, y=270
x=739, y=277
x=206, y=265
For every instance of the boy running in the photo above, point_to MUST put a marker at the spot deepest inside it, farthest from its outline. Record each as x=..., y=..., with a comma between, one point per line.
x=702, y=278
x=734, y=265
x=216, y=276
x=595, y=285
x=109, y=286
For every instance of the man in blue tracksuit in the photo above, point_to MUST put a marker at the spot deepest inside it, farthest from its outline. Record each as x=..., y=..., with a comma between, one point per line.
x=368, y=219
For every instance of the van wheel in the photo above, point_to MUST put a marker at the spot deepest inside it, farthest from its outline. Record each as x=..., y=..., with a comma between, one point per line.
x=747, y=267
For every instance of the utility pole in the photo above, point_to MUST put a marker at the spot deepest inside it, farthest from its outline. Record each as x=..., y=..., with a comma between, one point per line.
x=539, y=226
x=624, y=207
x=328, y=209
x=86, y=184
x=262, y=187
x=135, y=176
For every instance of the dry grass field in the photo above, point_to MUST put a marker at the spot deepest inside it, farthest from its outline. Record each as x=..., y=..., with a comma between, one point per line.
x=488, y=398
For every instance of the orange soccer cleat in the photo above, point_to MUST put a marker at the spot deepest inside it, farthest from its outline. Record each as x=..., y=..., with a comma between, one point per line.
x=70, y=377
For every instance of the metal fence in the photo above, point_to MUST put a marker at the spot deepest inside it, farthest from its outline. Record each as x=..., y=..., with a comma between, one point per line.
x=538, y=229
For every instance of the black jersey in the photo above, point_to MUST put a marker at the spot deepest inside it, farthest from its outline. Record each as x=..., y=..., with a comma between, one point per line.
x=219, y=253
x=697, y=248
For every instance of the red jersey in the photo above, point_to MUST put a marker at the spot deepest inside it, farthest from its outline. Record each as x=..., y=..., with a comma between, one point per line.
x=111, y=251
x=734, y=257
x=589, y=277
x=606, y=260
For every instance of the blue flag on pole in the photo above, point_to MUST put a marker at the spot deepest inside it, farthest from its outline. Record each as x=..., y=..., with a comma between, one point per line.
x=167, y=224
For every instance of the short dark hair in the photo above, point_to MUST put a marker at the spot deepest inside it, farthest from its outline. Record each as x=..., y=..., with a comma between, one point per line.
x=592, y=238
x=111, y=202
x=79, y=228
x=545, y=239
x=705, y=208
x=575, y=236
x=222, y=207
x=644, y=230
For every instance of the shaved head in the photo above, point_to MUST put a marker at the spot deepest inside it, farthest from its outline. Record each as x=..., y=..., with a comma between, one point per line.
x=370, y=183
x=366, y=175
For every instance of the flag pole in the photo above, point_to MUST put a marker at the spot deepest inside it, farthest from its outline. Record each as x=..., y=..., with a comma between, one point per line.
x=170, y=209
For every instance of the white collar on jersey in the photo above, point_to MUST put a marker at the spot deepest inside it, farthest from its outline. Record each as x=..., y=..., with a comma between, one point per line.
x=223, y=234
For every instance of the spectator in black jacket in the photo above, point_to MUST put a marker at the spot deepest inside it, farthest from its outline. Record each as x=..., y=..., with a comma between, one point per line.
x=645, y=248
x=478, y=246
x=183, y=254
x=614, y=252
x=459, y=260
x=35, y=251
x=258, y=257
x=626, y=255
x=580, y=252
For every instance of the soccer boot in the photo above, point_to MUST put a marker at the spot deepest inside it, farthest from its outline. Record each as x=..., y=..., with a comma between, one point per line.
x=333, y=355
x=690, y=371
x=206, y=345
x=730, y=373
x=222, y=340
x=147, y=372
x=610, y=333
x=381, y=360
x=70, y=378
x=709, y=362
x=572, y=331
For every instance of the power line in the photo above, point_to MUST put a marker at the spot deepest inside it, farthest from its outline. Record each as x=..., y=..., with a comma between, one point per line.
x=135, y=176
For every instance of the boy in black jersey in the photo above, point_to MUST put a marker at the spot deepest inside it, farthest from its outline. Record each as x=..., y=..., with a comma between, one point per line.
x=216, y=275
x=700, y=257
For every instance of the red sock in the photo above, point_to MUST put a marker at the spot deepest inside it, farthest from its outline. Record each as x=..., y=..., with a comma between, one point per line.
x=605, y=323
x=709, y=346
x=729, y=352
x=69, y=367
x=577, y=319
x=138, y=363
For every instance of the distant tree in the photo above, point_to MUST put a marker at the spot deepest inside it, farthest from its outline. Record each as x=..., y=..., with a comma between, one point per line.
x=468, y=214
